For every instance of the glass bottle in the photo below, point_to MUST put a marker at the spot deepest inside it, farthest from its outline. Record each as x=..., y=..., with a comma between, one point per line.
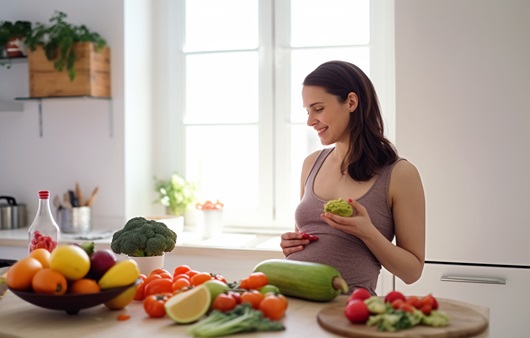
x=44, y=231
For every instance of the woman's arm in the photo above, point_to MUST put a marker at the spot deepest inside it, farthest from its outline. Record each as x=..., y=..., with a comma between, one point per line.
x=406, y=258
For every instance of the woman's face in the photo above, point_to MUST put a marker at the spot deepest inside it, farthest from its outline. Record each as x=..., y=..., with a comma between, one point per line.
x=328, y=116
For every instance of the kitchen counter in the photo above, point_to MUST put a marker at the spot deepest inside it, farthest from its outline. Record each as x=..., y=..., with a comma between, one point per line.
x=20, y=319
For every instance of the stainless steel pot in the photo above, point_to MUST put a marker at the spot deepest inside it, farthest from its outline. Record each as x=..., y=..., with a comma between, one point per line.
x=12, y=215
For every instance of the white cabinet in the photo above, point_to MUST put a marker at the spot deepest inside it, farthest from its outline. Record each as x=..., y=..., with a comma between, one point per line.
x=502, y=290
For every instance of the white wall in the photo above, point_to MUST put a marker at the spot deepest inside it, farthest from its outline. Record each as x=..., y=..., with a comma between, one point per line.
x=84, y=141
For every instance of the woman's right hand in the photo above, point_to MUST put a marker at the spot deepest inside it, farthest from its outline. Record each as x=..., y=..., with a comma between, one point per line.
x=292, y=242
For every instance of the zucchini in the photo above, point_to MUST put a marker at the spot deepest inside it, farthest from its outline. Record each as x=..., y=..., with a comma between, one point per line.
x=305, y=280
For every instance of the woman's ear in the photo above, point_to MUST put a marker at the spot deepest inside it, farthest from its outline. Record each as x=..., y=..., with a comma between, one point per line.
x=353, y=101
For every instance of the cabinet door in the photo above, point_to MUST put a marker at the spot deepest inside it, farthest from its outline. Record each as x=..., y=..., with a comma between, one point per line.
x=502, y=290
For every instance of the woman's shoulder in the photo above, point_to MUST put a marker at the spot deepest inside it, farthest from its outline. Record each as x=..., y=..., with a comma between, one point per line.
x=405, y=176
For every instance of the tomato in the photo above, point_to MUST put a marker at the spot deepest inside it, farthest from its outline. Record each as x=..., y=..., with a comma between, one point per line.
x=180, y=276
x=151, y=277
x=426, y=309
x=180, y=284
x=243, y=284
x=200, y=278
x=406, y=307
x=224, y=302
x=429, y=300
x=256, y=280
x=396, y=304
x=272, y=307
x=393, y=295
x=154, y=305
x=162, y=285
x=254, y=297
x=181, y=270
x=236, y=296
x=414, y=301
x=360, y=293
x=356, y=311
x=162, y=273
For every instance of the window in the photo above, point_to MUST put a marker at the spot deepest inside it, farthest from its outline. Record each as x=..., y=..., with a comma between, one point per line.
x=241, y=64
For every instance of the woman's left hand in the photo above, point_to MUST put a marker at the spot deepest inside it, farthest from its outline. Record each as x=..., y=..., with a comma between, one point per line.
x=358, y=225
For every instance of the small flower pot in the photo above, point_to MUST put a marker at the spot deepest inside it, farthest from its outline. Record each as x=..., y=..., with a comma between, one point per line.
x=148, y=264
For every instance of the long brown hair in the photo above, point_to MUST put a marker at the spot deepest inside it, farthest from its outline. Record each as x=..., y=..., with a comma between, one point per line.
x=369, y=150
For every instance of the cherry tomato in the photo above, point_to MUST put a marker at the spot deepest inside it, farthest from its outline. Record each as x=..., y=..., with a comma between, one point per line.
x=257, y=280
x=236, y=296
x=429, y=300
x=154, y=305
x=180, y=284
x=200, y=278
x=224, y=302
x=140, y=295
x=181, y=270
x=426, y=309
x=243, y=284
x=393, y=295
x=272, y=307
x=356, y=311
x=414, y=301
x=254, y=297
x=162, y=273
x=162, y=285
x=360, y=293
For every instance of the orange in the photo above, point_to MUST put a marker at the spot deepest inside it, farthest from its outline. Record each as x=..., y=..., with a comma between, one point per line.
x=42, y=255
x=20, y=274
x=84, y=285
x=49, y=281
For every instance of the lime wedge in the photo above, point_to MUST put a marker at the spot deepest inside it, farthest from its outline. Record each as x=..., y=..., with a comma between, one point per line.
x=188, y=306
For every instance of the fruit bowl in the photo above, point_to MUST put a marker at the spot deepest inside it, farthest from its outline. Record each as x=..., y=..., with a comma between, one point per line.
x=71, y=303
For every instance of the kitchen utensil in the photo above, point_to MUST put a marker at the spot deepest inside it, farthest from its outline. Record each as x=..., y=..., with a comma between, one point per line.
x=463, y=322
x=79, y=194
x=92, y=197
x=72, y=303
x=74, y=220
x=66, y=201
x=12, y=215
x=73, y=198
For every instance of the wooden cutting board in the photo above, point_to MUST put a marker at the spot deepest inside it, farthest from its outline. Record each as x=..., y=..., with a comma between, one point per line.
x=463, y=322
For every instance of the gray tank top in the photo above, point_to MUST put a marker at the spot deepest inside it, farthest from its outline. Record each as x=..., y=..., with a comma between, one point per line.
x=347, y=253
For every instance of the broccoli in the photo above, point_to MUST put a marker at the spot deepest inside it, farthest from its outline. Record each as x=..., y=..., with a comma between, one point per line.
x=141, y=237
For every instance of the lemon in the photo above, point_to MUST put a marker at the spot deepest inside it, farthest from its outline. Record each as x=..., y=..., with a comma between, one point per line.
x=189, y=306
x=122, y=273
x=70, y=260
x=124, y=299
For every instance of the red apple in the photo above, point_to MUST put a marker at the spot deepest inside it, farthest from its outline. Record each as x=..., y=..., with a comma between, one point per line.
x=100, y=262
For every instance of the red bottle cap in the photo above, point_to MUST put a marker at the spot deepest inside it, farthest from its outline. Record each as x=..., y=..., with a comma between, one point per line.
x=44, y=194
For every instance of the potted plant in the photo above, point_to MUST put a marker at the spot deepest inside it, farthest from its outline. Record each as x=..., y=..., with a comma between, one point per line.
x=176, y=194
x=58, y=39
x=12, y=39
x=80, y=57
x=145, y=241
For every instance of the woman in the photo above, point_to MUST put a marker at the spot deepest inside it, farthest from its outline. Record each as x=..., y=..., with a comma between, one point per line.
x=364, y=169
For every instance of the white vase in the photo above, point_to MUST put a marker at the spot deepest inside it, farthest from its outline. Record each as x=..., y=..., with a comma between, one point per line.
x=148, y=264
